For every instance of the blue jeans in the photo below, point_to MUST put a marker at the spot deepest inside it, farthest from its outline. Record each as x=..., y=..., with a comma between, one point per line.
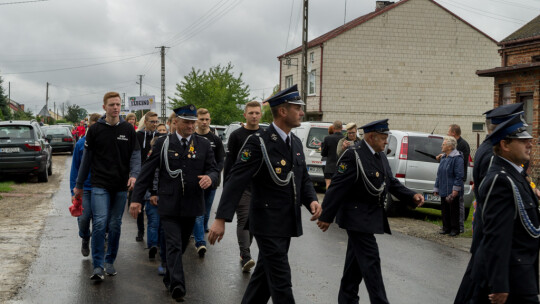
x=107, y=211
x=84, y=219
x=152, y=229
x=201, y=222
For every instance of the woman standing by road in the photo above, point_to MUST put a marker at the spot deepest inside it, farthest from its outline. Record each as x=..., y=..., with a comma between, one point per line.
x=449, y=185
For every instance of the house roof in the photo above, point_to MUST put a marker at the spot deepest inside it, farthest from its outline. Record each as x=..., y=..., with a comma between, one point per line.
x=529, y=30
x=508, y=69
x=362, y=19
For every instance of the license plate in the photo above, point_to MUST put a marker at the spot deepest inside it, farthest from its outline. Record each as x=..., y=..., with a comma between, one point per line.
x=57, y=140
x=9, y=150
x=431, y=197
x=313, y=169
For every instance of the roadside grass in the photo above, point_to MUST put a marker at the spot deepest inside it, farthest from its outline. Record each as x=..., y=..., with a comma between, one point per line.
x=434, y=216
x=6, y=186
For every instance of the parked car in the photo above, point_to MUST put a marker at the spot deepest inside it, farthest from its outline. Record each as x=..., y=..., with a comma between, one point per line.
x=218, y=130
x=411, y=156
x=234, y=126
x=312, y=135
x=24, y=149
x=70, y=126
x=60, y=138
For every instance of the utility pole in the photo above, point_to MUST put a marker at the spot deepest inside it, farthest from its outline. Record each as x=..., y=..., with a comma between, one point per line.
x=55, y=115
x=9, y=91
x=63, y=113
x=47, y=97
x=123, y=102
x=140, y=84
x=304, y=53
x=163, y=102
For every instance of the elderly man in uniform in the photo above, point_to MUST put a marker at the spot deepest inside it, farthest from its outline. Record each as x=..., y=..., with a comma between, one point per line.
x=274, y=163
x=356, y=196
x=187, y=167
x=504, y=265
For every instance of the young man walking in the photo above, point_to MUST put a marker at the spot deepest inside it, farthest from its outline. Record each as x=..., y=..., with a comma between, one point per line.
x=201, y=222
x=252, y=114
x=112, y=156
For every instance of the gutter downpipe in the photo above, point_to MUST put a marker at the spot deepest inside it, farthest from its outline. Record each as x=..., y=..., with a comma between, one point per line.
x=321, y=80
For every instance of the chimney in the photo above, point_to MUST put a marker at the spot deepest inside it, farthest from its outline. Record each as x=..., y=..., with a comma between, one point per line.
x=379, y=5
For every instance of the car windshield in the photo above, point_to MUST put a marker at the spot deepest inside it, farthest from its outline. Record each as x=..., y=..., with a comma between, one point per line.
x=316, y=137
x=13, y=131
x=57, y=131
x=424, y=149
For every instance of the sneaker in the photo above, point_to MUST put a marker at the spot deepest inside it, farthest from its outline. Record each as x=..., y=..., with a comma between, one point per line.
x=201, y=250
x=161, y=270
x=109, y=269
x=97, y=275
x=85, y=247
x=247, y=263
x=152, y=252
x=139, y=237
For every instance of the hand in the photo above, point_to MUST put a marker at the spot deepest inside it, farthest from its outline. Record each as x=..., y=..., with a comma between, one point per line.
x=323, y=225
x=418, y=199
x=498, y=298
x=346, y=144
x=134, y=209
x=78, y=192
x=436, y=193
x=131, y=183
x=537, y=192
x=205, y=181
x=455, y=193
x=154, y=200
x=438, y=157
x=216, y=231
x=316, y=210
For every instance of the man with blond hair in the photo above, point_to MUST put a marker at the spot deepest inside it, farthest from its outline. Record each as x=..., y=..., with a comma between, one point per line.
x=112, y=155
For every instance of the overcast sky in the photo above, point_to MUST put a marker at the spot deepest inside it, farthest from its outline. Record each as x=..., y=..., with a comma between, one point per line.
x=86, y=48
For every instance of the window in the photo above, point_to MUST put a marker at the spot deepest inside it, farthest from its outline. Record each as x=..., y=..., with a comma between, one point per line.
x=505, y=94
x=424, y=149
x=312, y=57
x=391, y=147
x=478, y=126
x=311, y=88
x=316, y=137
x=527, y=101
x=288, y=81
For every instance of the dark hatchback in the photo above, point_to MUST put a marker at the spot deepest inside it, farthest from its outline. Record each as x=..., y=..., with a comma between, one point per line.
x=24, y=149
x=60, y=138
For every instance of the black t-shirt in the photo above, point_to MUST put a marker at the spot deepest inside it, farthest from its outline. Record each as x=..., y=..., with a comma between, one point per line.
x=111, y=148
x=235, y=143
x=145, y=138
x=219, y=152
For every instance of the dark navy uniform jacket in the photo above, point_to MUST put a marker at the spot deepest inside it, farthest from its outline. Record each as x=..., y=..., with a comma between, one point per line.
x=347, y=197
x=482, y=158
x=274, y=211
x=506, y=258
x=174, y=202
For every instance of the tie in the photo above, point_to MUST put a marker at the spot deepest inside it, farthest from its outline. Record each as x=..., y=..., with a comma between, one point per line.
x=288, y=142
x=184, y=144
x=377, y=156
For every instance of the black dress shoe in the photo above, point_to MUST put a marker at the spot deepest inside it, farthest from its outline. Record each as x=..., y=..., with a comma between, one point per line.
x=152, y=252
x=444, y=232
x=139, y=237
x=178, y=294
x=453, y=233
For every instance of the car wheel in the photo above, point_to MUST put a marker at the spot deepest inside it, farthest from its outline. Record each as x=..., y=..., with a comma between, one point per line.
x=392, y=207
x=42, y=177
x=49, y=170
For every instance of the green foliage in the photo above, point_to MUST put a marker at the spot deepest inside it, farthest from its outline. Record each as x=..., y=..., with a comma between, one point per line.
x=61, y=121
x=266, y=112
x=23, y=115
x=75, y=113
x=217, y=90
x=6, y=186
x=5, y=113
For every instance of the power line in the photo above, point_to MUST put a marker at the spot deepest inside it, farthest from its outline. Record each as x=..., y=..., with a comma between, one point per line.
x=289, y=30
x=21, y=2
x=78, y=67
x=483, y=13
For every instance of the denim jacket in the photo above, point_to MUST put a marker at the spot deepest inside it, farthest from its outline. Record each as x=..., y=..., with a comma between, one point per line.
x=450, y=174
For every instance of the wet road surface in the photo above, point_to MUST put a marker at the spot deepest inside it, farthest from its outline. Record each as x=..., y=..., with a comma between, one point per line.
x=414, y=270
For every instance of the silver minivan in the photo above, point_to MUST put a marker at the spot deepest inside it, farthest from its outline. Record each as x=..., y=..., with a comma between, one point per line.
x=411, y=156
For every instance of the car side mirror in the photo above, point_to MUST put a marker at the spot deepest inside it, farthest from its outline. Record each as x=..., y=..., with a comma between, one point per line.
x=388, y=151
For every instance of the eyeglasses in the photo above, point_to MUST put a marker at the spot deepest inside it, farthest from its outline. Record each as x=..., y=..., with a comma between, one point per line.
x=154, y=121
x=351, y=132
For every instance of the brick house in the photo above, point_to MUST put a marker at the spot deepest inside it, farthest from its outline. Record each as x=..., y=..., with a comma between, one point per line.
x=413, y=62
x=15, y=106
x=518, y=79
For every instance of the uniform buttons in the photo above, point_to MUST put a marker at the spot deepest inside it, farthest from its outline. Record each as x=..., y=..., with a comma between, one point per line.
x=266, y=205
x=355, y=207
x=519, y=260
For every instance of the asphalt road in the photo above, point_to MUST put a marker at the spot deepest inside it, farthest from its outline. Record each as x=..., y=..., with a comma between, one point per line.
x=414, y=270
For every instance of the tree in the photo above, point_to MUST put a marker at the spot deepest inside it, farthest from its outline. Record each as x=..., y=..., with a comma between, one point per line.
x=5, y=113
x=217, y=90
x=23, y=115
x=75, y=113
x=266, y=111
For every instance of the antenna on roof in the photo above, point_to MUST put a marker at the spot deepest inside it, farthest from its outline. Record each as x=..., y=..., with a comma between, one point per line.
x=435, y=128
